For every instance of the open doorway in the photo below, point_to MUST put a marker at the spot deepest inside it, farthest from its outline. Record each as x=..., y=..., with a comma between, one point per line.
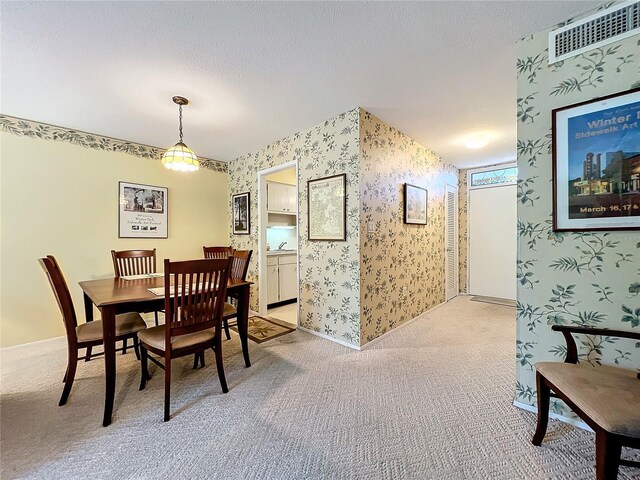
x=278, y=243
x=492, y=232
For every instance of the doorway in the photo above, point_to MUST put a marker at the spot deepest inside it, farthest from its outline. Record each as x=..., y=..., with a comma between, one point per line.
x=492, y=232
x=278, y=279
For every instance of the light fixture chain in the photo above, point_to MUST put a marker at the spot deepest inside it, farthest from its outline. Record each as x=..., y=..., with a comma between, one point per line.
x=180, y=106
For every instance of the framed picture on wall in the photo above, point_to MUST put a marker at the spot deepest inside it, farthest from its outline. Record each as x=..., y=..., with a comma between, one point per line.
x=241, y=207
x=327, y=206
x=415, y=205
x=596, y=164
x=142, y=211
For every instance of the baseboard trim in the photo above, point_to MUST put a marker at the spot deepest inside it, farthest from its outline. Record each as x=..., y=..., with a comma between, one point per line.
x=408, y=322
x=327, y=337
x=555, y=416
x=32, y=343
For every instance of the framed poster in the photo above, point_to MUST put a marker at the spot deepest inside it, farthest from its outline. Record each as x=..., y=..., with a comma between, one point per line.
x=241, y=214
x=415, y=205
x=142, y=211
x=596, y=164
x=327, y=205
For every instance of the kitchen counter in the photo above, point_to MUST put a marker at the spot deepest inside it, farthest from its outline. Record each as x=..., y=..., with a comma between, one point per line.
x=274, y=253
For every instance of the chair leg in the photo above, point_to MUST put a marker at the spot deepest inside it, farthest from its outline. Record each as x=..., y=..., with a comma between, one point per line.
x=69, y=377
x=607, y=456
x=88, y=357
x=144, y=367
x=167, y=388
x=225, y=322
x=156, y=315
x=136, y=348
x=217, y=349
x=544, y=392
x=124, y=346
x=195, y=360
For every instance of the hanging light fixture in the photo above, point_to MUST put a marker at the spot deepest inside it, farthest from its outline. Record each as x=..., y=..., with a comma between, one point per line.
x=180, y=157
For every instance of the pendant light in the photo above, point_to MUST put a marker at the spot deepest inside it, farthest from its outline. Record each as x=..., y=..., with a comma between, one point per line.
x=180, y=157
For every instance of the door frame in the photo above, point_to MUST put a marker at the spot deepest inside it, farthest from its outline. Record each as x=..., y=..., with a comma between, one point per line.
x=495, y=166
x=456, y=266
x=262, y=234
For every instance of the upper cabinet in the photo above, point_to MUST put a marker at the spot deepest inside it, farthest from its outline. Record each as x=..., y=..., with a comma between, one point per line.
x=281, y=198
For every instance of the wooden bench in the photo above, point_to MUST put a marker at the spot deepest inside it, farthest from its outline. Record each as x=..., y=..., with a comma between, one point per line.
x=607, y=398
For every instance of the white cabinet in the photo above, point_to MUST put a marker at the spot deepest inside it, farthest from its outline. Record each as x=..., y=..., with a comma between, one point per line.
x=288, y=286
x=281, y=198
x=282, y=281
x=273, y=295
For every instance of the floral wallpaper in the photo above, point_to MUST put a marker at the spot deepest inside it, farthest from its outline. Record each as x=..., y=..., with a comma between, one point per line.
x=402, y=266
x=463, y=229
x=581, y=278
x=329, y=271
x=44, y=131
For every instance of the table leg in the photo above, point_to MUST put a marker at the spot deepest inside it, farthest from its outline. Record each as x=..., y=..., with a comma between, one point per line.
x=109, y=335
x=88, y=309
x=243, y=321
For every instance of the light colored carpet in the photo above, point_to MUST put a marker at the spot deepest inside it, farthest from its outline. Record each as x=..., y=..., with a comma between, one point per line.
x=430, y=401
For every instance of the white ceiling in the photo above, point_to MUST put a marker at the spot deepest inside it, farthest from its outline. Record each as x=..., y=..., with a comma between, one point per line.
x=257, y=72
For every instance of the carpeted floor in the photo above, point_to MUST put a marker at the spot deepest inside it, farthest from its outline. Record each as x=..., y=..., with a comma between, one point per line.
x=429, y=401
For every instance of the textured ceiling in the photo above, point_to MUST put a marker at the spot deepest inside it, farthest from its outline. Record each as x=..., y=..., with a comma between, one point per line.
x=257, y=72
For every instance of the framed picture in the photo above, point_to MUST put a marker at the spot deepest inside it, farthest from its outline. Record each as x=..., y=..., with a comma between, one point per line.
x=415, y=205
x=596, y=164
x=241, y=214
x=327, y=204
x=142, y=211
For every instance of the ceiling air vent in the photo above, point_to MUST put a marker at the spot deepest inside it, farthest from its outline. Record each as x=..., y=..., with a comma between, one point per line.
x=615, y=23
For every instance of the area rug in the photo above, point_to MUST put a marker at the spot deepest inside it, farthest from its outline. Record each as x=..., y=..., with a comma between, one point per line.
x=494, y=300
x=262, y=329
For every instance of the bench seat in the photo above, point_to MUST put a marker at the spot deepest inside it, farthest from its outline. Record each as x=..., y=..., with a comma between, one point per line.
x=609, y=395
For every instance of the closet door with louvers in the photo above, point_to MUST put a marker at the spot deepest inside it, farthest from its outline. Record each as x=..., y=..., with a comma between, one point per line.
x=451, y=241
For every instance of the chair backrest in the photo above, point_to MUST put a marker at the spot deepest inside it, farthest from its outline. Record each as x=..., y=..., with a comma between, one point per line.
x=199, y=288
x=62, y=294
x=217, y=252
x=240, y=266
x=133, y=262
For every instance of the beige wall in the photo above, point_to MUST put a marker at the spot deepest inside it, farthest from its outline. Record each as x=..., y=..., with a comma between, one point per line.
x=61, y=199
x=402, y=270
x=287, y=176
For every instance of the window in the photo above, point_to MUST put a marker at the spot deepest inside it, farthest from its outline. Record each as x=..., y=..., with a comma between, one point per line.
x=491, y=178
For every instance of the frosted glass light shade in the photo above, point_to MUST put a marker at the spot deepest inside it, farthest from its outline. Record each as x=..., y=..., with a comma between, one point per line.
x=180, y=158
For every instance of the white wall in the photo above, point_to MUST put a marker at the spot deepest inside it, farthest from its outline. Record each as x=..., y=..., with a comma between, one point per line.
x=61, y=199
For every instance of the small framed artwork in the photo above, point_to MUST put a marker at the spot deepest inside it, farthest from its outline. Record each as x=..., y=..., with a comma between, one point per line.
x=596, y=164
x=241, y=207
x=327, y=205
x=142, y=211
x=415, y=205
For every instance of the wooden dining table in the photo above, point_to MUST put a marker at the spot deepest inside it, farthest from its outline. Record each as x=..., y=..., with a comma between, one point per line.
x=113, y=296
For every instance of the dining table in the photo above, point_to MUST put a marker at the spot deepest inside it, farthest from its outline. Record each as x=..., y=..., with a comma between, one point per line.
x=113, y=296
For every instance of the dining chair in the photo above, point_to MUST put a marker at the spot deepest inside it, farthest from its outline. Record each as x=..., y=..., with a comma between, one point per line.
x=134, y=262
x=239, y=269
x=86, y=335
x=217, y=252
x=194, y=303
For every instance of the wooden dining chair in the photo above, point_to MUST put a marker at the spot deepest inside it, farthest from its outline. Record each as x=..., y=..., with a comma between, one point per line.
x=239, y=269
x=86, y=335
x=194, y=303
x=217, y=252
x=134, y=262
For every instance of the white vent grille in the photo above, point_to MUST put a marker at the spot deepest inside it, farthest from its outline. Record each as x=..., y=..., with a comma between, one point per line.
x=607, y=26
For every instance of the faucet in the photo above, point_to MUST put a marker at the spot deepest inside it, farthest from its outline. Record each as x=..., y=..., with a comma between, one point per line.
x=281, y=245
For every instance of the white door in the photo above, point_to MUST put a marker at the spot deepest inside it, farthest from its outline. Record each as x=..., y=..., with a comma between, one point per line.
x=492, y=242
x=287, y=282
x=451, y=242
x=277, y=197
x=273, y=288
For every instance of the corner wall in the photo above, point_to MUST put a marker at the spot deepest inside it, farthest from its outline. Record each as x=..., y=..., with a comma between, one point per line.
x=398, y=256
x=595, y=293
x=329, y=296
x=59, y=196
